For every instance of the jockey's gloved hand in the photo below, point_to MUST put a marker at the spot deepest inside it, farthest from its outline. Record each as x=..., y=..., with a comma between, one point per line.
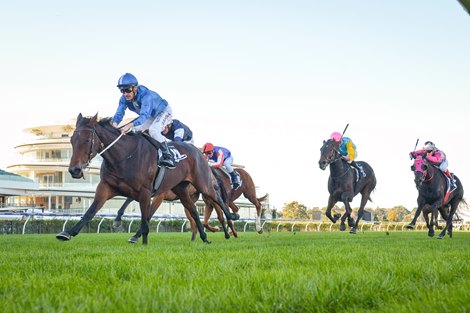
x=412, y=155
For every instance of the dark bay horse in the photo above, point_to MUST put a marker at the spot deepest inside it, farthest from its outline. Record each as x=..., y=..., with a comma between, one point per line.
x=129, y=169
x=247, y=189
x=343, y=185
x=432, y=188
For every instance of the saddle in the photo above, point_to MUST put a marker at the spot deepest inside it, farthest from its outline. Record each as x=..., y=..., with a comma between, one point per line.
x=224, y=172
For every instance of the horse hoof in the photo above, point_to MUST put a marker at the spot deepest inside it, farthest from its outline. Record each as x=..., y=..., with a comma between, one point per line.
x=133, y=240
x=431, y=234
x=342, y=227
x=235, y=216
x=63, y=236
x=207, y=241
x=440, y=237
x=117, y=224
x=410, y=226
x=260, y=231
x=353, y=231
x=336, y=216
x=227, y=236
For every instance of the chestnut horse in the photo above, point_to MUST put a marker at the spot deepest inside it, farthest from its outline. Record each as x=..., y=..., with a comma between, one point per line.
x=343, y=184
x=248, y=189
x=433, y=196
x=129, y=169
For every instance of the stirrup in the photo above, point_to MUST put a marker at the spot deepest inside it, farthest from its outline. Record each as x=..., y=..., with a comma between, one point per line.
x=167, y=163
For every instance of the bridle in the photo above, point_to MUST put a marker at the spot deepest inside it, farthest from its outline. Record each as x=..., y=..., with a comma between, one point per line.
x=338, y=156
x=424, y=171
x=92, y=146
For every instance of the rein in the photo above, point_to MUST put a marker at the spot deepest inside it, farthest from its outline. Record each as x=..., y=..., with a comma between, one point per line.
x=93, y=133
x=339, y=157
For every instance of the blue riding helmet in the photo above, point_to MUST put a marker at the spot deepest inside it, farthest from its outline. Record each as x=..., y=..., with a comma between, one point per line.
x=127, y=80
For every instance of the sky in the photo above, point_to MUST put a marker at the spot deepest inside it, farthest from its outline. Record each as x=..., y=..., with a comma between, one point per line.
x=269, y=80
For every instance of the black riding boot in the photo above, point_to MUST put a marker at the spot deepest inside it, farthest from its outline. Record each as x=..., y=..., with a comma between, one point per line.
x=167, y=157
x=235, y=180
x=359, y=168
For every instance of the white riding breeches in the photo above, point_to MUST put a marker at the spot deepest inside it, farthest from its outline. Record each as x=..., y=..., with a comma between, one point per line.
x=155, y=125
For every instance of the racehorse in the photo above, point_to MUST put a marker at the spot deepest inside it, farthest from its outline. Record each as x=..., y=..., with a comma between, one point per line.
x=433, y=196
x=343, y=184
x=248, y=189
x=129, y=169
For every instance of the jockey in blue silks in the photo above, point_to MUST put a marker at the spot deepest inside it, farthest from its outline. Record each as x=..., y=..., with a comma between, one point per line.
x=154, y=113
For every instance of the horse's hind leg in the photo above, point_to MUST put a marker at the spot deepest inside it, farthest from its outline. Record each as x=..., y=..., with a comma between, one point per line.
x=448, y=227
x=360, y=212
x=192, y=223
x=220, y=216
x=185, y=198
x=208, y=208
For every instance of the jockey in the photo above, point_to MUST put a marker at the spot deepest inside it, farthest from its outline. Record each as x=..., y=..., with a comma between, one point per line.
x=348, y=151
x=220, y=156
x=437, y=158
x=177, y=131
x=154, y=113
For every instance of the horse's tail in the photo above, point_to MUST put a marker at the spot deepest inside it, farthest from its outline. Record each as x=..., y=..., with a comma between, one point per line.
x=220, y=183
x=463, y=212
x=263, y=198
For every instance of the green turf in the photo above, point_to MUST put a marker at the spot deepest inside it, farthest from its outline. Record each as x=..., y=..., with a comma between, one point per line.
x=272, y=272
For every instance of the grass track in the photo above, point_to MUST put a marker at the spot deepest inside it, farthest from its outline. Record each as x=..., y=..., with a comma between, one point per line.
x=272, y=272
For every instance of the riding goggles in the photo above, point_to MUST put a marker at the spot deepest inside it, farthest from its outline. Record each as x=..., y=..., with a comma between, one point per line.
x=127, y=90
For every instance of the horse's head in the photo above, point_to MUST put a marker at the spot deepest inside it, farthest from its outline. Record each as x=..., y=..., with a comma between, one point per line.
x=85, y=145
x=329, y=153
x=420, y=169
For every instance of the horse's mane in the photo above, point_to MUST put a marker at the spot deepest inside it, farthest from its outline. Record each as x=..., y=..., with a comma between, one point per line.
x=105, y=122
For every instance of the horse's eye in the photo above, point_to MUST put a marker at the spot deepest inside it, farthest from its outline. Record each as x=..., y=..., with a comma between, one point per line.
x=424, y=167
x=413, y=168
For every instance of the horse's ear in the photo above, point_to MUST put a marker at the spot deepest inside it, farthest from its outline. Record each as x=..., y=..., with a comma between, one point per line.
x=94, y=119
x=324, y=141
x=79, y=117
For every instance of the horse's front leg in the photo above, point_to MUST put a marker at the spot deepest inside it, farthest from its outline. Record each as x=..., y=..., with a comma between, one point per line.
x=118, y=220
x=421, y=204
x=426, y=212
x=103, y=193
x=346, y=197
x=331, y=204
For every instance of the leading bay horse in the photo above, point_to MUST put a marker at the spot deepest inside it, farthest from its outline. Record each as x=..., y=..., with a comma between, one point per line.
x=433, y=196
x=129, y=169
x=343, y=184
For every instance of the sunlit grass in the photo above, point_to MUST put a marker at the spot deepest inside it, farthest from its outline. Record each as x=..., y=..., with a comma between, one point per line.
x=272, y=272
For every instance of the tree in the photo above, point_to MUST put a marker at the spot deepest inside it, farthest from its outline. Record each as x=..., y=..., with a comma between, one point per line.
x=396, y=214
x=295, y=210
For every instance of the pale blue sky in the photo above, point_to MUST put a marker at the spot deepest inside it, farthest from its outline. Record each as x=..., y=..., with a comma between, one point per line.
x=267, y=79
